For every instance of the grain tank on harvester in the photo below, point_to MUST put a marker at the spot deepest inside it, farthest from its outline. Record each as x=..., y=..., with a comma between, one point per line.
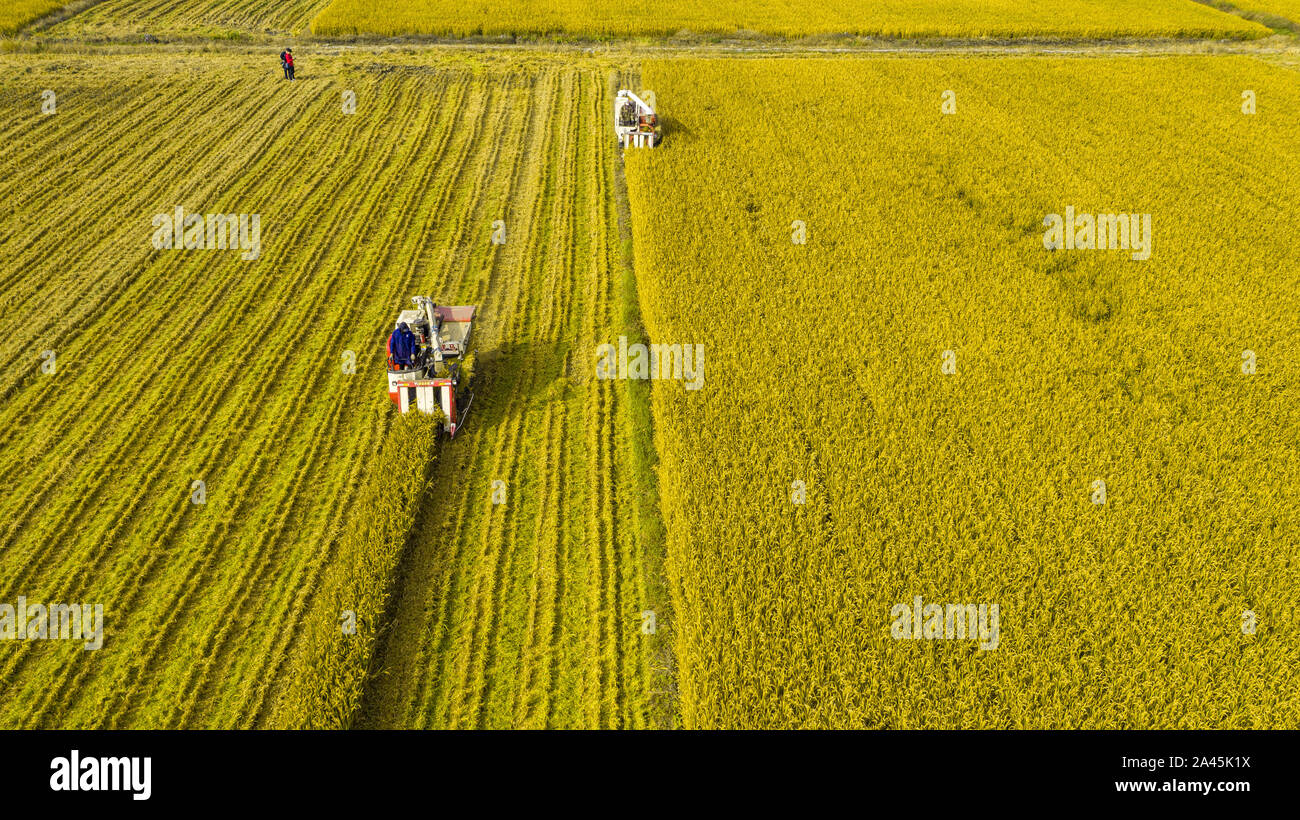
x=635, y=123
x=429, y=369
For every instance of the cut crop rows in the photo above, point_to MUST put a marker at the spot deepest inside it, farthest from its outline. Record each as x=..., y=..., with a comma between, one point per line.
x=174, y=366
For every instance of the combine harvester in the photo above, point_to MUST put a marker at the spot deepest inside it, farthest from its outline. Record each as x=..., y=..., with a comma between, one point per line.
x=635, y=122
x=422, y=378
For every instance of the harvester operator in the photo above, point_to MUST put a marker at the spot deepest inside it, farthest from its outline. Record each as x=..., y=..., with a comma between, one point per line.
x=403, y=347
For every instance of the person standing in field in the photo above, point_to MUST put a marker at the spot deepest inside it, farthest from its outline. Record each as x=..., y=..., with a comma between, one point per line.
x=288, y=59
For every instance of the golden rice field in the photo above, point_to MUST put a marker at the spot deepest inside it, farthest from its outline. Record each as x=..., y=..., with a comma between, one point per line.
x=124, y=18
x=894, y=18
x=14, y=14
x=1288, y=10
x=175, y=367
x=903, y=391
x=949, y=391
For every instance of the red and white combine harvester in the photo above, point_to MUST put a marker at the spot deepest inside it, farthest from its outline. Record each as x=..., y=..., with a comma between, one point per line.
x=429, y=364
x=635, y=122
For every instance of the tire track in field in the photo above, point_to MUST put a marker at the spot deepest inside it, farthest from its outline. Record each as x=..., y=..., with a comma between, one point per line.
x=559, y=234
x=553, y=464
x=575, y=681
x=500, y=311
x=498, y=521
x=532, y=704
x=630, y=561
x=406, y=612
x=604, y=579
x=544, y=574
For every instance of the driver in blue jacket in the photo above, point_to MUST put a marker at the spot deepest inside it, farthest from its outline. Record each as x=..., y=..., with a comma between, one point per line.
x=403, y=347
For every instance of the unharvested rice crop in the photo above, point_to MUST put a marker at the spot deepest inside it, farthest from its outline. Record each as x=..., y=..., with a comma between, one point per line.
x=169, y=368
x=894, y=18
x=14, y=14
x=119, y=18
x=1107, y=449
x=1288, y=10
x=327, y=681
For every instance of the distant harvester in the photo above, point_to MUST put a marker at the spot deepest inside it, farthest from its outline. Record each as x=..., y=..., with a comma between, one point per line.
x=635, y=122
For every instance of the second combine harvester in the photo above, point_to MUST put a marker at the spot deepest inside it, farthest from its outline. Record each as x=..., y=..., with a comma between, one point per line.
x=635, y=121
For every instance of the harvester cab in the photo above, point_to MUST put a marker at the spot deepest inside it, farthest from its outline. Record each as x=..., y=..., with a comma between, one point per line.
x=635, y=122
x=431, y=370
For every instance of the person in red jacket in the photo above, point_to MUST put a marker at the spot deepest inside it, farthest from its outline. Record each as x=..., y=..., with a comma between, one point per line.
x=288, y=62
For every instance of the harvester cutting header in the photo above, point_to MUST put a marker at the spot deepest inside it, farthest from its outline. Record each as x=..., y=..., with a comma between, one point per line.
x=635, y=122
x=429, y=363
